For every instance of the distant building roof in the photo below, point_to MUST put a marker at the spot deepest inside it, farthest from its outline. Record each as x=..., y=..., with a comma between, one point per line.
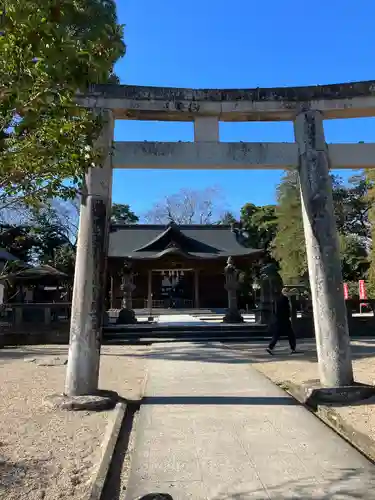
x=189, y=241
x=36, y=273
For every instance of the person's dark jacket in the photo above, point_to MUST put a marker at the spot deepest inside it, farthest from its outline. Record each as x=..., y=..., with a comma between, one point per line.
x=283, y=309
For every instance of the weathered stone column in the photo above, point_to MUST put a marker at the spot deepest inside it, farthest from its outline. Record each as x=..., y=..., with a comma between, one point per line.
x=89, y=279
x=330, y=320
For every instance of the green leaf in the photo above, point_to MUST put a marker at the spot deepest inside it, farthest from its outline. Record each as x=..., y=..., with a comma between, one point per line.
x=49, y=53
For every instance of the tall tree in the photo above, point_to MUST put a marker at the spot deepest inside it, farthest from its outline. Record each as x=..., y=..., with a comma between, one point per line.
x=259, y=224
x=18, y=241
x=288, y=246
x=188, y=207
x=370, y=177
x=44, y=238
x=49, y=50
x=121, y=214
x=48, y=234
x=351, y=207
x=354, y=257
x=227, y=219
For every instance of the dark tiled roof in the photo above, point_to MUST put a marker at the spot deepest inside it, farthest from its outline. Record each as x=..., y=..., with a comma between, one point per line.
x=189, y=241
x=44, y=271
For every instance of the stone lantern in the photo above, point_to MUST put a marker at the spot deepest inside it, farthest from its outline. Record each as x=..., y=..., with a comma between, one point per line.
x=232, y=284
x=127, y=315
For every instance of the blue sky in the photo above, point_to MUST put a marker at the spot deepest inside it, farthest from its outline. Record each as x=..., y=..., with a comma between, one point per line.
x=244, y=44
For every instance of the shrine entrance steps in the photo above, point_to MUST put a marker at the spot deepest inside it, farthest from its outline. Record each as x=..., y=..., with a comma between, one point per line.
x=183, y=328
x=206, y=312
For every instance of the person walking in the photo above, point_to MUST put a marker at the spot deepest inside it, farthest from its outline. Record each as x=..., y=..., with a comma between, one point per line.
x=283, y=324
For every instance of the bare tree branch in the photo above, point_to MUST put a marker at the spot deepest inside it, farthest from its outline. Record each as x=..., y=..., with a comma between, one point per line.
x=67, y=212
x=188, y=207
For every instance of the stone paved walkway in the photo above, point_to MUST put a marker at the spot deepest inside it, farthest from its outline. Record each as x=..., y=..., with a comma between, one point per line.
x=214, y=428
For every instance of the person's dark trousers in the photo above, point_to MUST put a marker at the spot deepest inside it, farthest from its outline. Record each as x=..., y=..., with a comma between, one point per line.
x=283, y=328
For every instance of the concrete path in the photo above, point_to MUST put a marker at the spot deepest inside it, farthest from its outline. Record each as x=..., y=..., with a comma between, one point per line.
x=215, y=428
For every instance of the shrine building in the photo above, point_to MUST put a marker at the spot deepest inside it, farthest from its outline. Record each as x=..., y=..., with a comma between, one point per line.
x=176, y=266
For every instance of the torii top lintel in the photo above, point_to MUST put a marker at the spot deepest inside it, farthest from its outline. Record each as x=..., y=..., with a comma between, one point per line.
x=341, y=100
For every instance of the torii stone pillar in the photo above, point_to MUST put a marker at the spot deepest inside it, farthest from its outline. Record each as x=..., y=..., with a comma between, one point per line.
x=89, y=278
x=330, y=319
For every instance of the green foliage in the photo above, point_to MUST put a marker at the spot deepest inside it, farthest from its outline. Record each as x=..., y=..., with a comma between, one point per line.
x=17, y=240
x=257, y=227
x=50, y=49
x=370, y=178
x=121, y=214
x=227, y=218
x=44, y=240
x=64, y=258
x=260, y=224
x=288, y=246
x=354, y=257
x=351, y=206
x=49, y=235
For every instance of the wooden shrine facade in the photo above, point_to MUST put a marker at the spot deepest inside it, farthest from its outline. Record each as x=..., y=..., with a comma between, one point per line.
x=175, y=266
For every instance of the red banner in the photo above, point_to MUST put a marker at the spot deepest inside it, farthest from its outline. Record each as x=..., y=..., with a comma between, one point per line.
x=362, y=290
x=346, y=291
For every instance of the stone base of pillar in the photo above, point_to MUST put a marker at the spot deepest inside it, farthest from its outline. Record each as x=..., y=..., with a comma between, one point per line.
x=126, y=317
x=233, y=316
x=156, y=496
x=99, y=401
x=313, y=394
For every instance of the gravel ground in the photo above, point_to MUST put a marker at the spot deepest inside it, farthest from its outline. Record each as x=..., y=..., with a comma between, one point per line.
x=49, y=454
x=303, y=367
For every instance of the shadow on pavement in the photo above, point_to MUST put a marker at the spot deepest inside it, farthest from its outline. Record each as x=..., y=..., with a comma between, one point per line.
x=345, y=484
x=246, y=352
x=219, y=400
x=14, y=353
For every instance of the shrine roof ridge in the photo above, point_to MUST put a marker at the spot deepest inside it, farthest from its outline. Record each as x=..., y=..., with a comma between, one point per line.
x=150, y=241
x=162, y=227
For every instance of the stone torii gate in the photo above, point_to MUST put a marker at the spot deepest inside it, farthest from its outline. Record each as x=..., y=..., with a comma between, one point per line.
x=307, y=107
